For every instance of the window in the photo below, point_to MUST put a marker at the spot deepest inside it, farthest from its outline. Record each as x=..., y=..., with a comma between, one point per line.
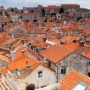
x=80, y=86
x=49, y=63
x=63, y=71
x=39, y=74
x=31, y=47
x=89, y=63
x=36, y=50
x=89, y=74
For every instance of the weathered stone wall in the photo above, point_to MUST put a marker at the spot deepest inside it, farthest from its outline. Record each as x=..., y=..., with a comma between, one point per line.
x=3, y=63
x=73, y=61
x=33, y=35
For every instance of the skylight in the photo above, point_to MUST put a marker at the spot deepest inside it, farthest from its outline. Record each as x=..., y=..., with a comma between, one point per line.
x=80, y=86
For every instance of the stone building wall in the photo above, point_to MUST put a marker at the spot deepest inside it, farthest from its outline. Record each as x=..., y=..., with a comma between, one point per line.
x=73, y=61
x=3, y=63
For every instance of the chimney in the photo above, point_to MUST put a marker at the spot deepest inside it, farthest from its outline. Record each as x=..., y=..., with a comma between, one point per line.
x=13, y=54
x=62, y=41
x=81, y=43
x=29, y=45
x=45, y=62
x=23, y=51
x=83, y=53
x=27, y=66
x=44, y=39
x=48, y=45
x=27, y=63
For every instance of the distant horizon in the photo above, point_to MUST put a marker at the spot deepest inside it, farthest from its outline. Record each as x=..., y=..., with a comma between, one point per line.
x=28, y=3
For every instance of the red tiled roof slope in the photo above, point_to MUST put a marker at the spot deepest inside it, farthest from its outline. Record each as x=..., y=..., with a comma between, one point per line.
x=72, y=79
x=56, y=53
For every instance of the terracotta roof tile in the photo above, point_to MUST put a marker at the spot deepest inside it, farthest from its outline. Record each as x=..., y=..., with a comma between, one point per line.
x=72, y=79
x=9, y=41
x=19, y=51
x=85, y=52
x=4, y=71
x=4, y=58
x=69, y=5
x=55, y=41
x=20, y=63
x=69, y=27
x=86, y=31
x=35, y=66
x=40, y=38
x=72, y=45
x=51, y=24
x=55, y=53
x=33, y=53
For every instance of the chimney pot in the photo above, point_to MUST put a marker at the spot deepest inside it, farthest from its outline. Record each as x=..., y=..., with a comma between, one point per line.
x=23, y=51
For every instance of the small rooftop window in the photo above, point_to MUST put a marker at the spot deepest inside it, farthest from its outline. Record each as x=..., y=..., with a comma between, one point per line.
x=80, y=86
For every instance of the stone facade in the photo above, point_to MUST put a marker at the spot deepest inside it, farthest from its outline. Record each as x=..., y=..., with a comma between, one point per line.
x=15, y=16
x=3, y=63
x=25, y=16
x=72, y=61
x=70, y=6
x=84, y=13
x=18, y=32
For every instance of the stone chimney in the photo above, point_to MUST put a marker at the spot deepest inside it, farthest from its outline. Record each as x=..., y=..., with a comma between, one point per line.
x=13, y=54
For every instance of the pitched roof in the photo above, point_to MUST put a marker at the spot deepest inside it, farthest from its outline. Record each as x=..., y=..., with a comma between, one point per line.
x=70, y=5
x=19, y=51
x=86, y=31
x=33, y=53
x=4, y=71
x=20, y=63
x=85, y=52
x=34, y=68
x=82, y=10
x=72, y=79
x=55, y=53
x=72, y=45
x=4, y=58
x=69, y=27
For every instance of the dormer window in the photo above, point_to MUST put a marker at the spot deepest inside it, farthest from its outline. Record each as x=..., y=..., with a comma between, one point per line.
x=80, y=86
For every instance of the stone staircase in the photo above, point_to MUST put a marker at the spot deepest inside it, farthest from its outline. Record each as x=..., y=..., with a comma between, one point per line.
x=5, y=86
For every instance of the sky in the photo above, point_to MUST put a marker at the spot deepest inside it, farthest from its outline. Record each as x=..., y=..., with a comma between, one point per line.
x=31, y=3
